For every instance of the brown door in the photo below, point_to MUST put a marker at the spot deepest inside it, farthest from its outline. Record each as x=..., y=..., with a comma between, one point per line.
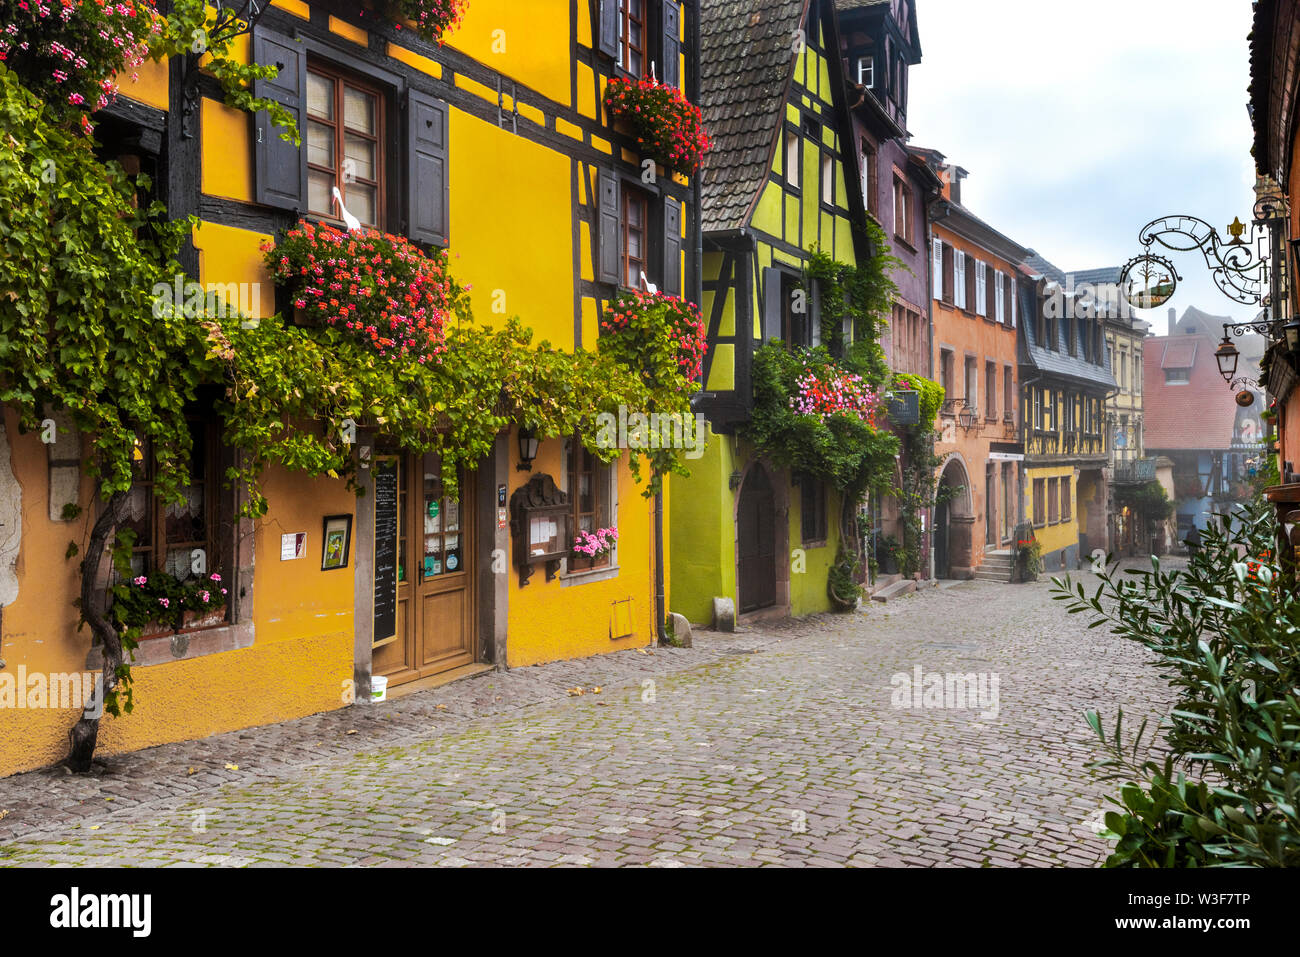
x=756, y=534
x=435, y=579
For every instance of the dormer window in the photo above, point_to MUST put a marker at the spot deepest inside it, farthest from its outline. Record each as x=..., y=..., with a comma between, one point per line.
x=867, y=71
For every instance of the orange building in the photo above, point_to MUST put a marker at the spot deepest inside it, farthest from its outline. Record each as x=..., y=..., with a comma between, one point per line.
x=973, y=278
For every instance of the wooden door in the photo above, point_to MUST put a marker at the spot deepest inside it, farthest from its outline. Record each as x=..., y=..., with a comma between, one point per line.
x=436, y=612
x=756, y=542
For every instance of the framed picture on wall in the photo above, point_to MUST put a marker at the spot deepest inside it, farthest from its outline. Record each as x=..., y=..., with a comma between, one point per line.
x=337, y=541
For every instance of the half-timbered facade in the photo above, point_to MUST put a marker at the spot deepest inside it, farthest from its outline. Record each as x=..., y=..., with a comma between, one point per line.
x=1065, y=380
x=776, y=185
x=496, y=146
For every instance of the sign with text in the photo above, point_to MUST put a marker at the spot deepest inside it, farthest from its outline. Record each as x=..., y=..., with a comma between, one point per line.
x=385, y=563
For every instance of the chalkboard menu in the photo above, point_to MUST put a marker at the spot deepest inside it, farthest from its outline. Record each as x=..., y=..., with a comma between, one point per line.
x=385, y=564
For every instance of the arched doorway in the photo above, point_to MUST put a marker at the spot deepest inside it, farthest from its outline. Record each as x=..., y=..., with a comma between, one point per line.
x=756, y=541
x=954, y=523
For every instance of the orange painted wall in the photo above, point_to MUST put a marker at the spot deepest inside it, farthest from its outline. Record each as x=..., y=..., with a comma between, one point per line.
x=965, y=332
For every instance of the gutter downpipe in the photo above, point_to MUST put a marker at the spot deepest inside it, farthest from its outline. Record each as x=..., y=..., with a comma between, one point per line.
x=930, y=220
x=697, y=294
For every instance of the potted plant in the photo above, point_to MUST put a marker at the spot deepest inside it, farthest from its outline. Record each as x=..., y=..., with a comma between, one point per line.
x=152, y=603
x=668, y=128
x=590, y=546
x=204, y=601
x=1029, y=559
x=890, y=553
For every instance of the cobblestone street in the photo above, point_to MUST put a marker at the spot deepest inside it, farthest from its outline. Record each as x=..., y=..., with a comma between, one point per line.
x=776, y=745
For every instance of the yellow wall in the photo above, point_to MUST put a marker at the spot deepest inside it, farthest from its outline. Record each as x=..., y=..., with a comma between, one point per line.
x=1063, y=534
x=300, y=659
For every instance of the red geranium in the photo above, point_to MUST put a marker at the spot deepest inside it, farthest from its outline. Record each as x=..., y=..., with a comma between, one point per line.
x=380, y=288
x=669, y=128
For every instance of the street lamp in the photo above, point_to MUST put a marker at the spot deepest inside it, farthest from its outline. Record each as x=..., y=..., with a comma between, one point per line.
x=1226, y=355
x=1292, y=332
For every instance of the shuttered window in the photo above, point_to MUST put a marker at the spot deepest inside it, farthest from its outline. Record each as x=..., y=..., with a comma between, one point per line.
x=346, y=144
x=981, y=288
x=631, y=36
x=635, y=232
x=999, y=293
x=960, y=284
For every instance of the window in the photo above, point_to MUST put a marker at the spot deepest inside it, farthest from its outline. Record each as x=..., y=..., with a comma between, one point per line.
x=1053, y=503
x=1040, y=503
x=972, y=384
x=960, y=279
x=1011, y=300
x=631, y=36
x=945, y=375
x=1038, y=409
x=949, y=266
x=796, y=325
x=1069, y=335
x=908, y=347
x=828, y=180
x=1067, y=503
x=1008, y=395
x=792, y=154
x=1178, y=376
x=981, y=289
x=867, y=71
x=990, y=390
x=812, y=501
x=344, y=145
x=904, y=228
x=1000, y=293
x=870, y=179
x=589, y=493
x=167, y=535
x=635, y=236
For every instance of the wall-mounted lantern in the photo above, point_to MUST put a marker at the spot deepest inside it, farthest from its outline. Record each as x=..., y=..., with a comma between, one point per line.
x=529, y=443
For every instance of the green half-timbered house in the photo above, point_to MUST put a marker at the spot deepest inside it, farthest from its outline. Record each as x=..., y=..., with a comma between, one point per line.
x=780, y=181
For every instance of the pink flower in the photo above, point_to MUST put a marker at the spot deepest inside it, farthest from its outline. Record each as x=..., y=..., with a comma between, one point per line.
x=139, y=581
x=166, y=603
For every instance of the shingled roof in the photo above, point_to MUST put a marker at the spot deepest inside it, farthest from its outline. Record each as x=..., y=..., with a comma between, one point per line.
x=746, y=61
x=1196, y=414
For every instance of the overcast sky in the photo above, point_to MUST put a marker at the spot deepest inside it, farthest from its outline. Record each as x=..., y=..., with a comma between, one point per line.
x=1082, y=122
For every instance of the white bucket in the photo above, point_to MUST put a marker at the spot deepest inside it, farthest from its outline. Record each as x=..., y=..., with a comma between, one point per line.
x=378, y=688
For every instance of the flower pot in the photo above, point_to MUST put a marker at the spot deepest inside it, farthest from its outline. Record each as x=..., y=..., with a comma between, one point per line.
x=204, y=619
x=155, y=629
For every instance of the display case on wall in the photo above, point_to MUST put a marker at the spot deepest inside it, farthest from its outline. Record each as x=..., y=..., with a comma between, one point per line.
x=540, y=521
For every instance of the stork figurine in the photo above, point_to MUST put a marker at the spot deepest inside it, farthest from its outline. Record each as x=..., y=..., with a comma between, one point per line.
x=349, y=220
x=649, y=286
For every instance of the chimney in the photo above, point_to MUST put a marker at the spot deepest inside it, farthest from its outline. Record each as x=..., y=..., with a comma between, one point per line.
x=952, y=176
x=1173, y=319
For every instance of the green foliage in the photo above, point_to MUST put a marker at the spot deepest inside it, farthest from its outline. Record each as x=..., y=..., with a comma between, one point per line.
x=78, y=262
x=930, y=401
x=1148, y=500
x=205, y=34
x=861, y=298
x=842, y=450
x=918, y=492
x=842, y=579
x=1029, y=557
x=1228, y=637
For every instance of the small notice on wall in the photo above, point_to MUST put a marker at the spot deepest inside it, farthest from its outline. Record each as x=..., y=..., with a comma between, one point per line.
x=292, y=545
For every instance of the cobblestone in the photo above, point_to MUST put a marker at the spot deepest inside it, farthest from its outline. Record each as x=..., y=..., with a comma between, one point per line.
x=776, y=745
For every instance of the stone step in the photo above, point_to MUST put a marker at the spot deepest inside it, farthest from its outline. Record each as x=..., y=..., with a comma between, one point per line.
x=896, y=590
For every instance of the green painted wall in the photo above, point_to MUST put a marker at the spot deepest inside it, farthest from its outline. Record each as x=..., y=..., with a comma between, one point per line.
x=702, y=547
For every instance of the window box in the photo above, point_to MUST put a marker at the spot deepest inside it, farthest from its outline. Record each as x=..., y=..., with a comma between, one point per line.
x=209, y=618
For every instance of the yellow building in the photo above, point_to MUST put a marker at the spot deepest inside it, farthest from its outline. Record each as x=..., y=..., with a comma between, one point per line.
x=1065, y=380
x=494, y=145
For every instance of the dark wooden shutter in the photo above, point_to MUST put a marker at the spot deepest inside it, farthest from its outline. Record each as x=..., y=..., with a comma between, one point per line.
x=426, y=169
x=608, y=27
x=608, y=237
x=672, y=45
x=948, y=282
x=990, y=291
x=772, y=304
x=672, y=247
x=280, y=167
